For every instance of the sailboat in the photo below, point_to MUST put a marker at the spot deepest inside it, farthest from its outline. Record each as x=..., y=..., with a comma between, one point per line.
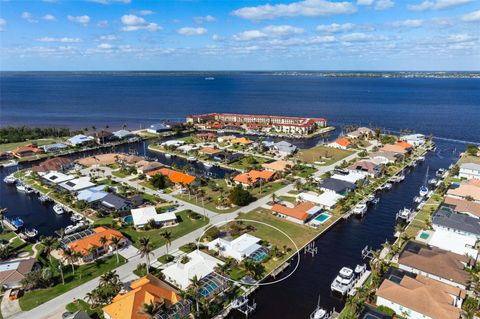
x=424, y=189
x=319, y=312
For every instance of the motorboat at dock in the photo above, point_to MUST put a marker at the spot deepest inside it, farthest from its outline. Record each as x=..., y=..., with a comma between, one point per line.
x=58, y=209
x=360, y=209
x=10, y=179
x=344, y=281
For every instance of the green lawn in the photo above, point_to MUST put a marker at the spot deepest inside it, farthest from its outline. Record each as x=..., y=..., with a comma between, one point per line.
x=248, y=162
x=40, y=142
x=81, y=305
x=186, y=226
x=304, y=170
x=322, y=153
x=84, y=273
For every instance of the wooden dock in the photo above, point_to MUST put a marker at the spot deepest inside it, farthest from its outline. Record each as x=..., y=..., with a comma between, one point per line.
x=359, y=283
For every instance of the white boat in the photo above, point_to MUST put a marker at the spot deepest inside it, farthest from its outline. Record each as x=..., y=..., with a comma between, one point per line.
x=9, y=164
x=417, y=199
x=319, y=312
x=376, y=201
x=239, y=302
x=344, y=281
x=70, y=229
x=421, y=204
x=432, y=181
x=421, y=158
x=58, y=209
x=387, y=186
x=440, y=172
x=404, y=213
x=21, y=188
x=371, y=198
x=360, y=209
x=44, y=198
x=10, y=179
x=360, y=269
x=76, y=218
x=207, y=165
x=31, y=233
x=423, y=191
x=191, y=159
x=167, y=155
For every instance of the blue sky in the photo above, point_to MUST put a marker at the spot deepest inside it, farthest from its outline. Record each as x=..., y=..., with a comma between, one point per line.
x=240, y=35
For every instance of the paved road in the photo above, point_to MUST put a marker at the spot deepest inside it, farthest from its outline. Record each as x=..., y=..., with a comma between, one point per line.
x=55, y=307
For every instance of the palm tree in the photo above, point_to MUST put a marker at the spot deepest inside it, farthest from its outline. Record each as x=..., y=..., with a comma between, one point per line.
x=194, y=290
x=71, y=257
x=274, y=198
x=145, y=250
x=115, y=241
x=167, y=235
x=151, y=309
x=92, y=250
x=103, y=240
x=49, y=244
x=92, y=298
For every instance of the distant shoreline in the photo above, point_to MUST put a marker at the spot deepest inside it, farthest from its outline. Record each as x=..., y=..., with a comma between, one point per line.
x=330, y=74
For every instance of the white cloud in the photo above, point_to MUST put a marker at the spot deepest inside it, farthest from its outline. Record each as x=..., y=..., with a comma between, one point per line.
x=365, y=2
x=79, y=19
x=62, y=40
x=49, y=17
x=249, y=35
x=410, y=23
x=102, y=24
x=268, y=31
x=110, y=1
x=108, y=37
x=308, y=8
x=145, y=12
x=381, y=5
x=217, y=37
x=357, y=37
x=28, y=16
x=132, y=22
x=207, y=18
x=322, y=39
x=104, y=46
x=3, y=22
x=436, y=4
x=192, y=31
x=460, y=38
x=472, y=16
x=334, y=27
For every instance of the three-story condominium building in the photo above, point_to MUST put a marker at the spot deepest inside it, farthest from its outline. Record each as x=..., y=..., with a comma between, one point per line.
x=264, y=123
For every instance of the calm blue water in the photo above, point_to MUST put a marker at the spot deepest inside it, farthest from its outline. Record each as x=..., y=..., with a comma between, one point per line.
x=445, y=107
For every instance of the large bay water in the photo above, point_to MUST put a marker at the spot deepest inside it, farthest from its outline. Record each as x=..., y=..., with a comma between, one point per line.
x=447, y=108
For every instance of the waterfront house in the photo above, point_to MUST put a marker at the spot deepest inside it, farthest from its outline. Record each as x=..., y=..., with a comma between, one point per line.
x=360, y=133
x=435, y=263
x=326, y=200
x=225, y=138
x=228, y=157
x=385, y=157
x=13, y=271
x=209, y=151
x=239, y=248
x=241, y=140
x=159, y=128
x=123, y=134
x=414, y=139
x=208, y=136
x=77, y=184
x=103, y=136
x=342, y=143
x=469, y=190
x=454, y=232
x=60, y=164
x=145, y=166
x=337, y=186
x=463, y=206
x=469, y=171
x=90, y=246
x=187, y=148
x=112, y=202
x=406, y=146
x=367, y=166
x=198, y=264
x=300, y=213
x=26, y=150
x=53, y=147
x=253, y=178
x=141, y=216
x=394, y=148
x=173, y=143
x=278, y=166
x=148, y=289
x=284, y=148
x=55, y=178
x=92, y=194
x=177, y=178
x=419, y=297
x=79, y=140
x=350, y=176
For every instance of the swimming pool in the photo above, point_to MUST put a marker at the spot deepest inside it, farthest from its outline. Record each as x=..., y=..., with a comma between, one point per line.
x=424, y=235
x=128, y=219
x=210, y=285
x=259, y=255
x=323, y=217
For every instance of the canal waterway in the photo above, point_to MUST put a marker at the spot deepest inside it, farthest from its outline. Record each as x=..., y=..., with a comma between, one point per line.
x=296, y=297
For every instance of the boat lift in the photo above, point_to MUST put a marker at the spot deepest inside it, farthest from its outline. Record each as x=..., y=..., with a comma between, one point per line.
x=367, y=253
x=311, y=248
x=248, y=309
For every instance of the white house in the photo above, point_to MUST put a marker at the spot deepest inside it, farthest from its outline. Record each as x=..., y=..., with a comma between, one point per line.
x=80, y=139
x=77, y=184
x=174, y=143
x=199, y=264
x=55, y=178
x=469, y=171
x=414, y=139
x=141, y=216
x=352, y=176
x=239, y=248
x=326, y=200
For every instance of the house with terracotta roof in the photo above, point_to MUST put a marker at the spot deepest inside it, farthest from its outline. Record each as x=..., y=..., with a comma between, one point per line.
x=90, y=246
x=469, y=190
x=361, y=132
x=435, y=263
x=209, y=151
x=145, y=166
x=173, y=176
x=278, y=166
x=26, y=150
x=393, y=148
x=241, y=140
x=342, y=143
x=60, y=164
x=300, y=213
x=253, y=178
x=463, y=206
x=406, y=146
x=208, y=136
x=419, y=297
x=13, y=271
x=367, y=166
x=384, y=157
x=146, y=290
